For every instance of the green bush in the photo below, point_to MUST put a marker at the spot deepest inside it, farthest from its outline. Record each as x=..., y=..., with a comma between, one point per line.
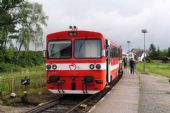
x=9, y=67
x=12, y=60
x=148, y=60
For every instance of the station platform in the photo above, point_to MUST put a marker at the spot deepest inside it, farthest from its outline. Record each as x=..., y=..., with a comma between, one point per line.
x=123, y=98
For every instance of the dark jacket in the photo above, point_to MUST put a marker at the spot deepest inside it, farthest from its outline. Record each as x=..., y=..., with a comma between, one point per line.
x=132, y=63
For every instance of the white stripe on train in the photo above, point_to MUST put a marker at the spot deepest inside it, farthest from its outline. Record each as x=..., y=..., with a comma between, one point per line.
x=74, y=91
x=77, y=66
x=81, y=66
x=113, y=67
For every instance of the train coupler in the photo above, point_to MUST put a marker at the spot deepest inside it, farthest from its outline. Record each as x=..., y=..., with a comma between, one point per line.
x=60, y=84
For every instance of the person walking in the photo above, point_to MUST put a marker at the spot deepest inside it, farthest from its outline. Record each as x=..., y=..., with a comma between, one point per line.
x=132, y=65
x=125, y=61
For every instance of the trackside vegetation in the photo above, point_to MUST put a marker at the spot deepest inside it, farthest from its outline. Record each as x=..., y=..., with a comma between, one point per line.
x=11, y=81
x=15, y=65
x=21, y=26
x=10, y=61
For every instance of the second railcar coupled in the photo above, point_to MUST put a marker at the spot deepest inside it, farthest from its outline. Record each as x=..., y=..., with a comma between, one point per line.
x=81, y=62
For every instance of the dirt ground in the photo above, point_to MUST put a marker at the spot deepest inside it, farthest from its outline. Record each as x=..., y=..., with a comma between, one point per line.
x=9, y=109
x=18, y=107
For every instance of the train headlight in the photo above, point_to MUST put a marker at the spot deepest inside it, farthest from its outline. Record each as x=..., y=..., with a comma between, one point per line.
x=72, y=34
x=91, y=66
x=48, y=67
x=98, y=66
x=54, y=66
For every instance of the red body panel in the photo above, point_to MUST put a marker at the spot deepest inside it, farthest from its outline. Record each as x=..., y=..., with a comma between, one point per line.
x=73, y=71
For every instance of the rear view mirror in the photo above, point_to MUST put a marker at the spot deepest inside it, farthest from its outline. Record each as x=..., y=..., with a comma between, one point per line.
x=107, y=43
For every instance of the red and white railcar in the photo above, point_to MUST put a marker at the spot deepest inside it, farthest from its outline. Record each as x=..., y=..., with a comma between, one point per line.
x=81, y=62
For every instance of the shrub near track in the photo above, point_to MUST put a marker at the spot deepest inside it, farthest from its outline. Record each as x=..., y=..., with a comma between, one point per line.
x=11, y=81
x=13, y=61
x=156, y=68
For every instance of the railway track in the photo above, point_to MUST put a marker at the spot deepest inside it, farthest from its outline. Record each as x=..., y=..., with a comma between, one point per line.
x=72, y=103
x=62, y=104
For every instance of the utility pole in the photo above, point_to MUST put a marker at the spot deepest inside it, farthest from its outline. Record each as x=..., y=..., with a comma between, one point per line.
x=144, y=64
x=128, y=45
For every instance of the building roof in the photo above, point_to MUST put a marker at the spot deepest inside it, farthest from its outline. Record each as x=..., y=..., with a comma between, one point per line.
x=138, y=52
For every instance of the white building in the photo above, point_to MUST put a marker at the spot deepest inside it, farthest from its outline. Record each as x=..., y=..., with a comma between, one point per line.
x=131, y=55
x=139, y=53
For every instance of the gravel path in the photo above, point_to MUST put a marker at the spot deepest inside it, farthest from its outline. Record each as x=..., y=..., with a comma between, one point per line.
x=154, y=94
x=8, y=109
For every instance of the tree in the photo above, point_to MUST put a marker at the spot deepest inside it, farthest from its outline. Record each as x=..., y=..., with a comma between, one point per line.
x=33, y=19
x=8, y=20
x=8, y=11
x=163, y=53
x=158, y=53
x=21, y=20
x=152, y=50
x=168, y=53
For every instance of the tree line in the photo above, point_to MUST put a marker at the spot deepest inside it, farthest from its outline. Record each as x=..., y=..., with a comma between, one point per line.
x=21, y=23
x=157, y=54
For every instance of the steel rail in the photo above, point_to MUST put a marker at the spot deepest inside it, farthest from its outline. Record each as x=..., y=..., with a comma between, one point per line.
x=45, y=106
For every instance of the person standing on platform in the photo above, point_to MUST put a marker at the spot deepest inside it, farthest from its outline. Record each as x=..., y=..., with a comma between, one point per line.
x=132, y=65
x=125, y=61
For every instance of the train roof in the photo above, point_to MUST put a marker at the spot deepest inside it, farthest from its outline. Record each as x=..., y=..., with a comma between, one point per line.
x=115, y=44
x=81, y=33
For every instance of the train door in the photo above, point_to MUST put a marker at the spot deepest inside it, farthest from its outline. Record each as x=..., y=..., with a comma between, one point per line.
x=107, y=45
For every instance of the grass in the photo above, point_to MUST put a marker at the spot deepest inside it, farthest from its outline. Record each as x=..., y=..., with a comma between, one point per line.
x=11, y=81
x=156, y=68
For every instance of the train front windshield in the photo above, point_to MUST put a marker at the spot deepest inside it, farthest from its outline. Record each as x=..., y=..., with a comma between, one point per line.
x=59, y=49
x=83, y=48
x=87, y=48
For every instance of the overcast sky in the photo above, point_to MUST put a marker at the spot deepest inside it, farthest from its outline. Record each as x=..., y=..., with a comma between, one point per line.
x=119, y=20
